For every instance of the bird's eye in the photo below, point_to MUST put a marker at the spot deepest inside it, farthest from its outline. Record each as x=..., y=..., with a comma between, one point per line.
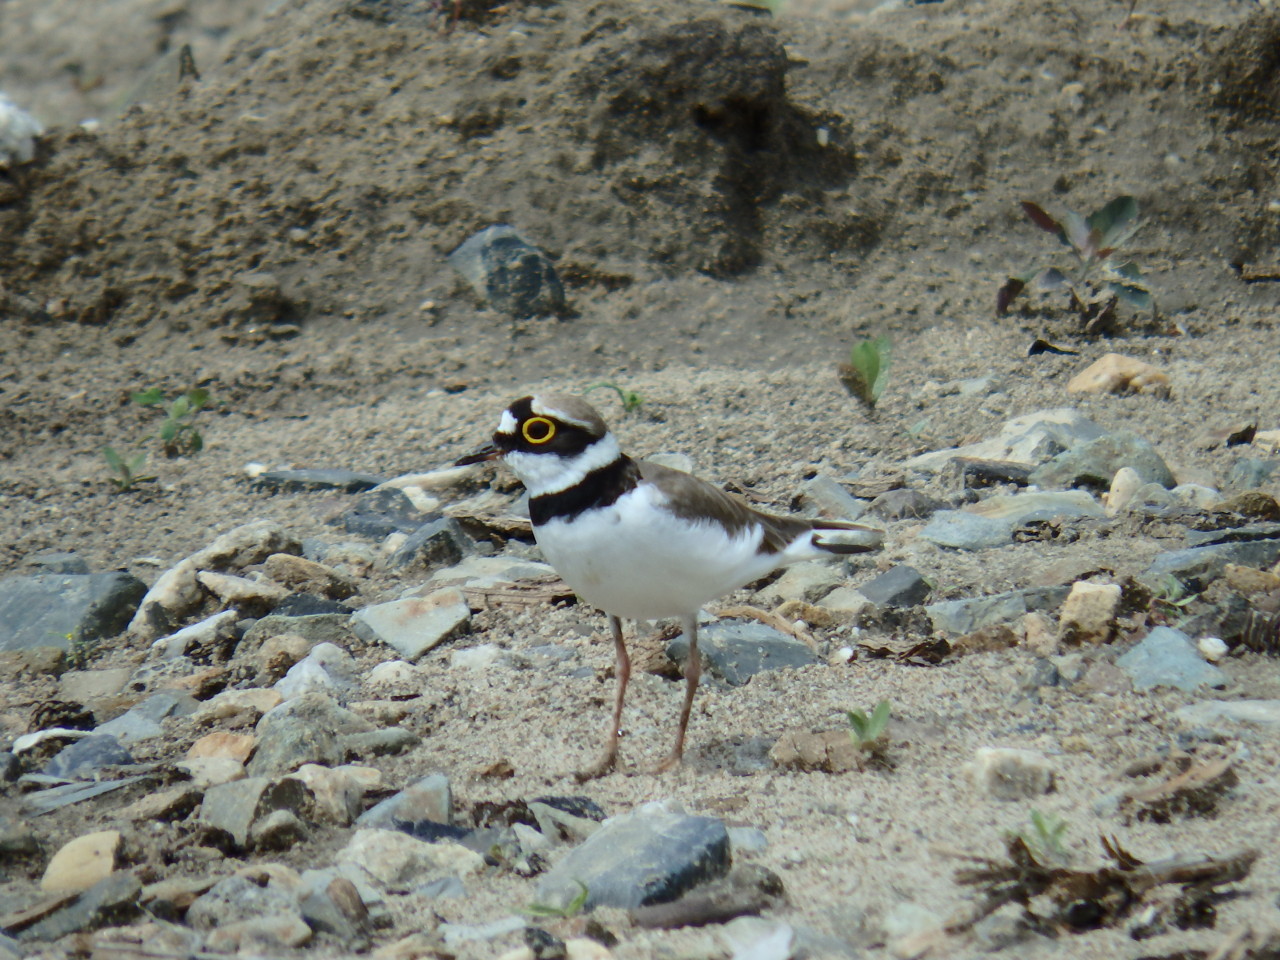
x=538, y=429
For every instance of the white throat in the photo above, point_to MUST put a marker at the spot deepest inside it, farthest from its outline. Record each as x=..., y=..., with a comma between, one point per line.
x=544, y=473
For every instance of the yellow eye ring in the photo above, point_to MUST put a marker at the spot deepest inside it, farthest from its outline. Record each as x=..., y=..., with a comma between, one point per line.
x=534, y=425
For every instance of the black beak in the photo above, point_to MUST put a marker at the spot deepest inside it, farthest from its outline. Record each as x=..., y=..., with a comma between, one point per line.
x=490, y=451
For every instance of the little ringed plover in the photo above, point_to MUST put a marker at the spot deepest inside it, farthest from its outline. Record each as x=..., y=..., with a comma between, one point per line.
x=640, y=540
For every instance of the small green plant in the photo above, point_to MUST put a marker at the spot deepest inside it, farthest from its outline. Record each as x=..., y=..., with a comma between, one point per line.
x=125, y=471
x=631, y=400
x=567, y=912
x=177, y=434
x=1100, y=279
x=867, y=372
x=1171, y=595
x=867, y=732
x=1044, y=837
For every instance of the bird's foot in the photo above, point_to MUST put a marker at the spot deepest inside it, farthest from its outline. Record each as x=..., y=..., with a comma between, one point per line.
x=598, y=769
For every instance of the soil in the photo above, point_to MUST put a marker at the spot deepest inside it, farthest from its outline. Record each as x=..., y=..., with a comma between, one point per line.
x=732, y=200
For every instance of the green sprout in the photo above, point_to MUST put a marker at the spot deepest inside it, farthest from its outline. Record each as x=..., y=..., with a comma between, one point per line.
x=1101, y=278
x=867, y=731
x=125, y=472
x=567, y=912
x=867, y=371
x=631, y=400
x=177, y=434
x=1044, y=838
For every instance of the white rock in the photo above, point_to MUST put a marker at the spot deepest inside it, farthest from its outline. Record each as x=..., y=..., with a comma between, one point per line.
x=391, y=859
x=1007, y=773
x=477, y=658
x=1124, y=485
x=176, y=644
x=1212, y=649
x=326, y=669
x=18, y=132
x=758, y=938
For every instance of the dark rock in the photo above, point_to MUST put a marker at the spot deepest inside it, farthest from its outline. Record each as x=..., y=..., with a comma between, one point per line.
x=308, y=605
x=510, y=273
x=57, y=609
x=429, y=830
x=379, y=513
x=583, y=807
x=653, y=855
x=295, y=481
x=904, y=504
x=87, y=755
x=746, y=890
x=59, y=563
x=1253, y=531
x=543, y=945
x=109, y=902
x=965, y=616
x=736, y=651
x=976, y=473
x=901, y=586
x=440, y=543
x=278, y=830
x=1094, y=463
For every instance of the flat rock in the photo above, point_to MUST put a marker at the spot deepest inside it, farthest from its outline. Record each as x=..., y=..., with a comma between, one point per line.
x=242, y=591
x=1029, y=439
x=112, y=900
x=478, y=572
x=961, y=530
x=326, y=669
x=393, y=860
x=299, y=481
x=900, y=586
x=237, y=806
x=85, y=686
x=1262, y=713
x=829, y=499
x=1094, y=463
x=338, y=792
x=415, y=625
x=84, y=757
x=965, y=616
x=1167, y=658
x=652, y=855
x=1020, y=508
x=59, y=609
x=205, y=634
x=82, y=862
x=737, y=650
x=315, y=627
x=61, y=562
x=301, y=575
x=809, y=582
x=427, y=799
x=904, y=504
x=240, y=897
x=143, y=722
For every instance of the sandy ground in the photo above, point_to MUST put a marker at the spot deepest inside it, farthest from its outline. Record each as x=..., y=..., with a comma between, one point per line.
x=721, y=255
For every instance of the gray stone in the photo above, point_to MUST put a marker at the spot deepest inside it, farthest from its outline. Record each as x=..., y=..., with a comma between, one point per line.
x=440, y=543
x=510, y=273
x=208, y=632
x=737, y=650
x=1251, y=531
x=479, y=572
x=295, y=481
x=1094, y=462
x=1197, y=567
x=900, y=586
x=830, y=499
x=1251, y=473
x=109, y=902
x=62, y=609
x=333, y=904
x=415, y=625
x=904, y=504
x=143, y=721
x=237, y=898
x=1028, y=439
x=1167, y=658
x=237, y=806
x=85, y=756
x=308, y=729
x=382, y=512
x=965, y=616
x=966, y=531
x=652, y=855
x=427, y=799
x=809, y=582
x=278, y=830
x=59, y=563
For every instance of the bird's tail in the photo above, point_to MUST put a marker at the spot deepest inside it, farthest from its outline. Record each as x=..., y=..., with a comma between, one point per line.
x=845, y=537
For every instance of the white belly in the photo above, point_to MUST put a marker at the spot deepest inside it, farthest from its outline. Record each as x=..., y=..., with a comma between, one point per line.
x=636, y=560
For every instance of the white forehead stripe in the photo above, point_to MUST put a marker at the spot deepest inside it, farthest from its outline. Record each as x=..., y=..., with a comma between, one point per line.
x=543, y=411
x=508, y=423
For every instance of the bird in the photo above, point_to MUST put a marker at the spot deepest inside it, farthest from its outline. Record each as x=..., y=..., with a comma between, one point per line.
x=640, y=540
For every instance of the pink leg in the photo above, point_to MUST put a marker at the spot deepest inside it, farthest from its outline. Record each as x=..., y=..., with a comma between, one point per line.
x=692, y=671
x=606, y=763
